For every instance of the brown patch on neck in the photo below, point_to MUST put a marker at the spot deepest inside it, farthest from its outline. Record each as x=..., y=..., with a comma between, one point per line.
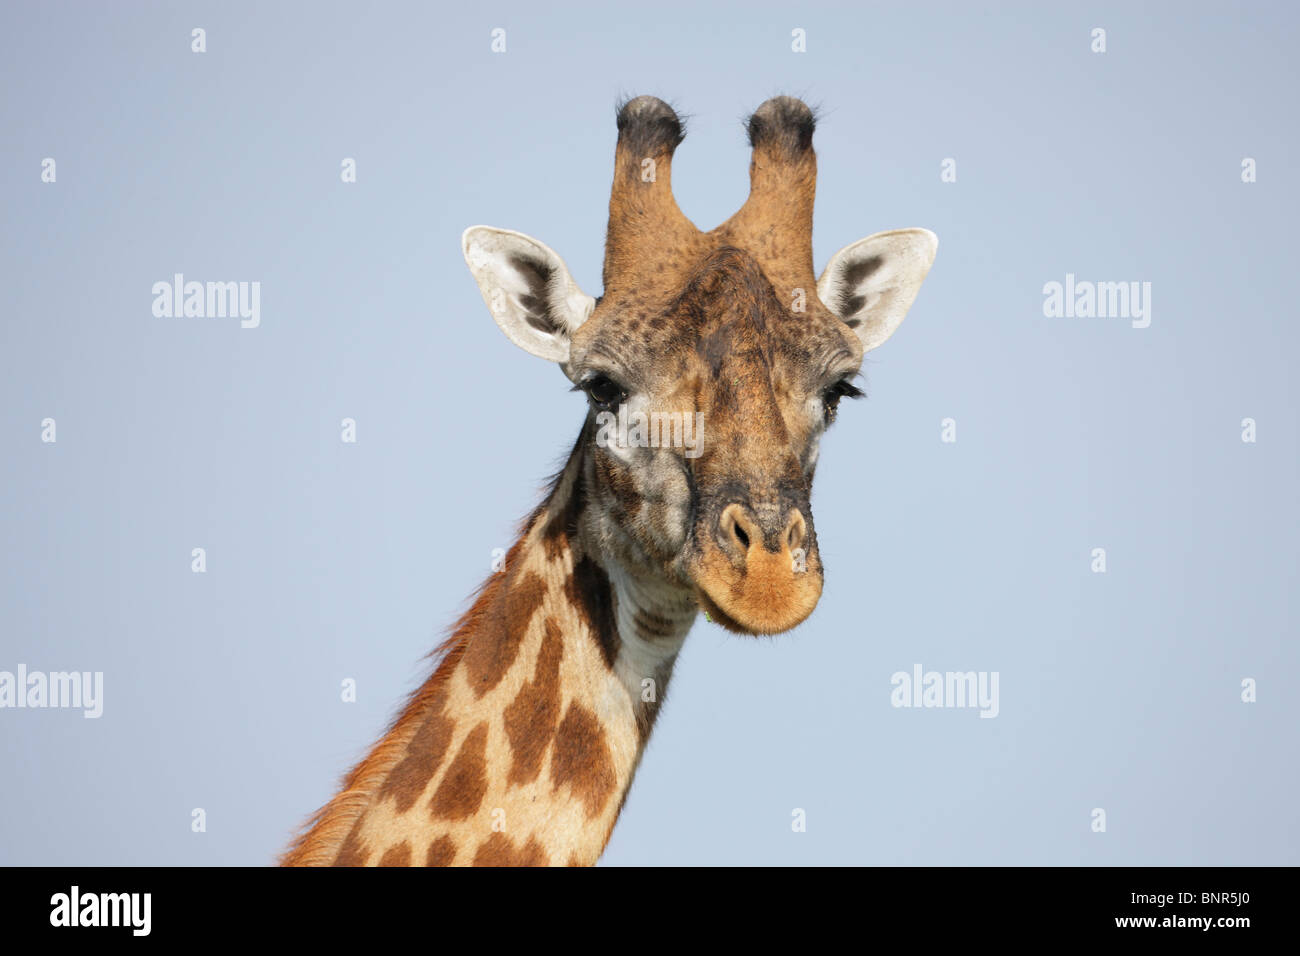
x=441, y=852
x=533, y=715
x=462, y=789
x=353, y=851
x=498, y=850
x=582, y=759
x=491, y=653
x=424, y=755
x=399, y=855
x=592, y=596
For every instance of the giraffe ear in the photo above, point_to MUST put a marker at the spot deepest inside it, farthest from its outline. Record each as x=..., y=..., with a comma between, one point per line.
x=873, y=282
x=528, y=289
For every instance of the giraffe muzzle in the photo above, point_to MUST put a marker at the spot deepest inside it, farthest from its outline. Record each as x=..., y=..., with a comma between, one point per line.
x=758, y=570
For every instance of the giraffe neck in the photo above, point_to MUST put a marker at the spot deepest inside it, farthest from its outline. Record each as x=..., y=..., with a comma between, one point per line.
x=521, y=747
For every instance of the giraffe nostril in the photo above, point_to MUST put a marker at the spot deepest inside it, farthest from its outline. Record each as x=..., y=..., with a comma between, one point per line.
x=738, y=532
x=796, y=530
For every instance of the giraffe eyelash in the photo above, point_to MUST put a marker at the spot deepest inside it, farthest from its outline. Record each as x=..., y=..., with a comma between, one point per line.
x=842, y=389
x=831, y=398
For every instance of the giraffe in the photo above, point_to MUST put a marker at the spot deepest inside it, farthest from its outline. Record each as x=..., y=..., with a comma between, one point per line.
x=520, y=747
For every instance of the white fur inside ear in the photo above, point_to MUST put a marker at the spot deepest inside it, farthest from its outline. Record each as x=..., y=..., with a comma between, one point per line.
x=528, y=289
x=871, y=283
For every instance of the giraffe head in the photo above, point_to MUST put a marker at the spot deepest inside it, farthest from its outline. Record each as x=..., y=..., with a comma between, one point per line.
x=712, y=363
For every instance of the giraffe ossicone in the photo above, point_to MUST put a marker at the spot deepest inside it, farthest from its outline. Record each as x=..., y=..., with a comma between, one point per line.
x=521, y=746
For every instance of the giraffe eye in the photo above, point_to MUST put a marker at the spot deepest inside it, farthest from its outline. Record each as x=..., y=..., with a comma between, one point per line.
x=604, y=391
x=831, y=397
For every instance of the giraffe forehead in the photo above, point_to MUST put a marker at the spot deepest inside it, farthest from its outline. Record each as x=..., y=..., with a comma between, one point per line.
x=721, y=309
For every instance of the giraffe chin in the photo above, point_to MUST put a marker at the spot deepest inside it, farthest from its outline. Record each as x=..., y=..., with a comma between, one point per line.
x=768, y=598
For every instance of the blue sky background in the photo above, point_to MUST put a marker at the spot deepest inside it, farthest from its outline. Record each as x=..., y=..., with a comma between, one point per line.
x=329, y=561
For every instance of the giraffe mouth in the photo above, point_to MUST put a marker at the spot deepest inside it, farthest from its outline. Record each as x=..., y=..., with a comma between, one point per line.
x=718, y=616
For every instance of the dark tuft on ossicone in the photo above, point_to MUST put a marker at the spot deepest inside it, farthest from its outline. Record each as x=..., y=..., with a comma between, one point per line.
x=649, y=127
x=782, y=122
